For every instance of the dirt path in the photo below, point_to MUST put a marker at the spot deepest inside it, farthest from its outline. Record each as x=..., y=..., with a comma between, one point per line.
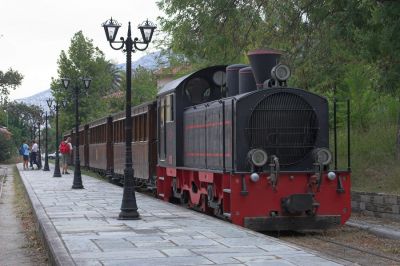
x=15, y=249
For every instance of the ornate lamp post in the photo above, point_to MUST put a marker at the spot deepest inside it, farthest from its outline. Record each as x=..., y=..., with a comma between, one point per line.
x=32, y=121
x=128, y=206
x=54, y=105
x=39, y=157
x=46, y=155
x=77, y=184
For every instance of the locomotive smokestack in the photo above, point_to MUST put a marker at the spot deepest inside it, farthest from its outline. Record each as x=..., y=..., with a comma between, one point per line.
x=232, y=78
x=246, y=80
x=262, y=61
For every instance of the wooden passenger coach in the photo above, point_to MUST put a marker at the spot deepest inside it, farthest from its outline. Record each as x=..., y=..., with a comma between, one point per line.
x=102, y=144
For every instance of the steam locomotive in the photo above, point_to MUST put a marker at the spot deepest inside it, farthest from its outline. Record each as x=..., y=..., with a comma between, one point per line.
x=233, y=141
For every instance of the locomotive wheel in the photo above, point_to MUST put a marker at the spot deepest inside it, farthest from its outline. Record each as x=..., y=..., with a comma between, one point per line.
x=218, y=212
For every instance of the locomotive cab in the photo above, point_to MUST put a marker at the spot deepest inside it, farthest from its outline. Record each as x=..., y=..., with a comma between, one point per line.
x=194, y=89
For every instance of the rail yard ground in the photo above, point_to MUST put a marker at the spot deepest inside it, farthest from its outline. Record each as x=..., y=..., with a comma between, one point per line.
x=350, y=243
x=19, y=243
x=86, y=224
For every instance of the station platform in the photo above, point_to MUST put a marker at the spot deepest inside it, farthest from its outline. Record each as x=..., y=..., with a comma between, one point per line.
x=80, y=227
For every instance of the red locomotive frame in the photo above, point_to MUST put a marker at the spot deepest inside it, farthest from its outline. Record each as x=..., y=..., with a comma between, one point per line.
x=258, y=205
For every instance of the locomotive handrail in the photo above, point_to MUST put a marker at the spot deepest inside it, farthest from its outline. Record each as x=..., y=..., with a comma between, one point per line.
x=274, y=172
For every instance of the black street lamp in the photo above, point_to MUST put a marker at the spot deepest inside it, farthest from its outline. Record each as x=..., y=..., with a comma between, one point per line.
x=32, y=122
x=39, y=157
x=46, y=156
x=54, y=105
x=129, y=209
x=77, y=184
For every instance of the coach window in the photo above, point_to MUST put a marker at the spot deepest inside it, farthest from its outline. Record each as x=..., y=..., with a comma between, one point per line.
x=169, y=106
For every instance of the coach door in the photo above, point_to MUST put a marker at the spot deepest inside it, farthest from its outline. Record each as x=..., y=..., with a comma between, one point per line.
x=163, y=144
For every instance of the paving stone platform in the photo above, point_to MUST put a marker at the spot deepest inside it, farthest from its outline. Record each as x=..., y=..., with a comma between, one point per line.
x=80, y=227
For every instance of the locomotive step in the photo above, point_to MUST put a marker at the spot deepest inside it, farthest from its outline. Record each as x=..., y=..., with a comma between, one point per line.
x=227, y=214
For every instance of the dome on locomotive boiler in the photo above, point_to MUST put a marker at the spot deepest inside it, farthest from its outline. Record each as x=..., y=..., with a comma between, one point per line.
x=262, y=61
x=232, y=78
x=247, y=82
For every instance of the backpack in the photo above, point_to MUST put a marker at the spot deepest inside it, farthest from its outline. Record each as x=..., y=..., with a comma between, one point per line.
x=64, y=147
x=21, y=150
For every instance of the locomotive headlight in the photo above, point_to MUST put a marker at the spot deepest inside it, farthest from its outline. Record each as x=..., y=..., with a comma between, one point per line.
x=258, y=157
x=254, y=177
x=322, y=156
x=331, y=176
x=280, y=72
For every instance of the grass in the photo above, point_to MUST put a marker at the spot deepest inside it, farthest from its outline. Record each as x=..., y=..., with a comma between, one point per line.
x=25, y=214
x=373, y=158
x=13, y=160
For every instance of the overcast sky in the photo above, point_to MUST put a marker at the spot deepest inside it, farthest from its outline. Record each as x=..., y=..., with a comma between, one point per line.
x=33, y=33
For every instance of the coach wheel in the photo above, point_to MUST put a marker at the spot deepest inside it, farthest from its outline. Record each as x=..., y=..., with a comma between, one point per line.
x=184, y=197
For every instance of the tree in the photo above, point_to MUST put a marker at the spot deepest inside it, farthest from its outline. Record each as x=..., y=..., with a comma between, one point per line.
x=21, y=118
x=210, y=31
x=144, y=88
x=83, y=59
x=338, y=48
x=6, y=147
x=9, y=80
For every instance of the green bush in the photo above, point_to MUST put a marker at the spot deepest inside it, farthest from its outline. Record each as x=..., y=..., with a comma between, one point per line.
x=7, y=148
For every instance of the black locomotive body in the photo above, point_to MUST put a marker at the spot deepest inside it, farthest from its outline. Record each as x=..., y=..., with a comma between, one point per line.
x=258, y=157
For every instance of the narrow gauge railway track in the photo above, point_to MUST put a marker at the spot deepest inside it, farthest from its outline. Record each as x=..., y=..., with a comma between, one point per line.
x=350, y=244
x=360, y=249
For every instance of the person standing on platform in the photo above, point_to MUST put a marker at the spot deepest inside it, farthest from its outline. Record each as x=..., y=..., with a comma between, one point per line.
x=34, y=154
x=66, y=152
x=24, y=152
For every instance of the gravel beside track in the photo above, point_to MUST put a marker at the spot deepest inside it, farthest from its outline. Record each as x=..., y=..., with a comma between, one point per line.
x=349, y=243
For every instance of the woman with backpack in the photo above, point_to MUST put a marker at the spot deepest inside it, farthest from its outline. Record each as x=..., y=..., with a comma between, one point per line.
x=66, y=151
x=24, y=152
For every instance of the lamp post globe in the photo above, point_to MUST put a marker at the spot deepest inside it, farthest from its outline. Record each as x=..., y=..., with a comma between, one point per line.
x=77, y=183
x=129, y=209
